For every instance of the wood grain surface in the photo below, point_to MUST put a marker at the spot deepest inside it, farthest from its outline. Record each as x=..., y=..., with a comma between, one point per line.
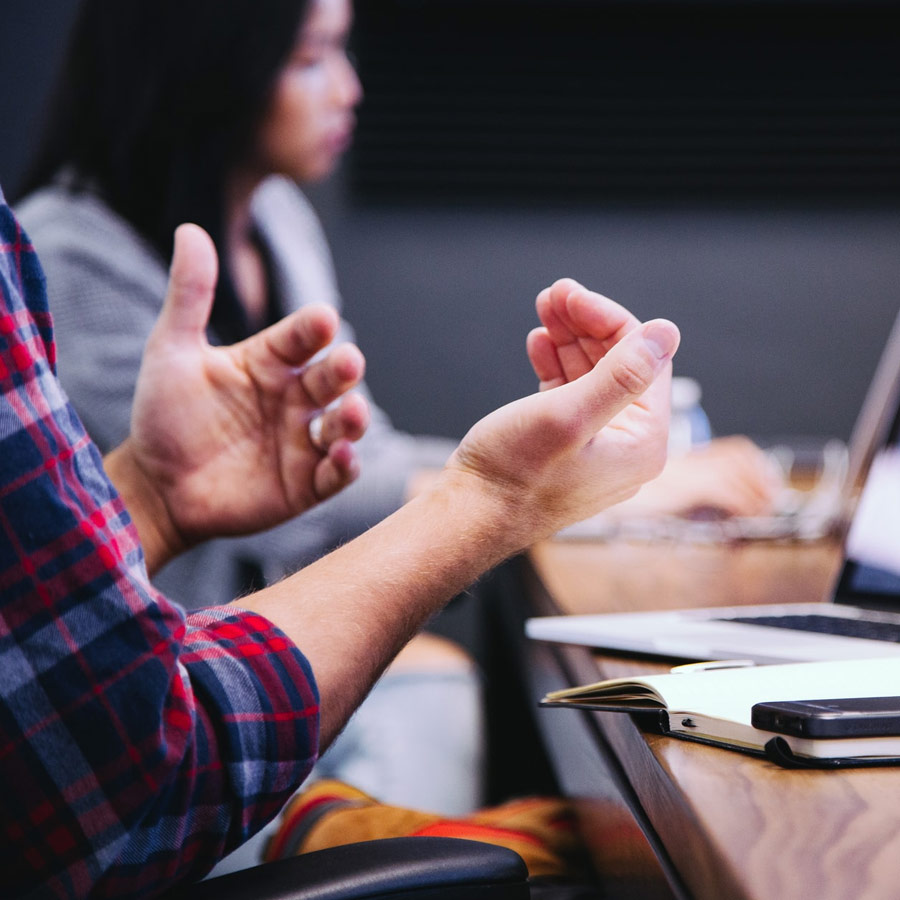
x=734, y=826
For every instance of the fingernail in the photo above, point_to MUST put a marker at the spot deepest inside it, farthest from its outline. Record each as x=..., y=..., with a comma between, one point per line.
x=661, y=339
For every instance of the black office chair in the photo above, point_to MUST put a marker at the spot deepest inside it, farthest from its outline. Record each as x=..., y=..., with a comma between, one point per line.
x=413, y=868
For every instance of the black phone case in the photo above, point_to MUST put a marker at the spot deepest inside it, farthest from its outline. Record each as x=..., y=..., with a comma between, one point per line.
x=830, y=718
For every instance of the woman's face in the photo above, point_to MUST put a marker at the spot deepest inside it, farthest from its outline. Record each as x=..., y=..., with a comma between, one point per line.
x=310, y=119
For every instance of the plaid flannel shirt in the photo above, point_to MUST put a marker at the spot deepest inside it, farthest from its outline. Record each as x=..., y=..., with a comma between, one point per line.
x=138, y=744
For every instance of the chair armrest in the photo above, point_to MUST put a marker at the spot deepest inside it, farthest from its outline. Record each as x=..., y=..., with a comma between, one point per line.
x=416, y=868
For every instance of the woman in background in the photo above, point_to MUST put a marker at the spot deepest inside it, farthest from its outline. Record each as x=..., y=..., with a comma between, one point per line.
x=198, y=111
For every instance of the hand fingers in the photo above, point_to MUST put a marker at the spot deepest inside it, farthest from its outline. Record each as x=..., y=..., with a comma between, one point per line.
x=544, y=360
x=624, y=375
x=573, y=359
x=340, y=427
x=592, y=315
x=582, y=324
x=569, y=310
x=333, y=375
x=338, y=469
x=295, y=339
x=192, y=285
x=598, y=323
x=347, y=420
x=551, y=309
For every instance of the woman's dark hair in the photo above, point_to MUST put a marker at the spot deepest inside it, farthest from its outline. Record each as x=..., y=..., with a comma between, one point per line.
x=157, y=101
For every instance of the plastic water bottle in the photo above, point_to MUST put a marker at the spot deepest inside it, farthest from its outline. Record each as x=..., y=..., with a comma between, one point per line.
x=689, y=425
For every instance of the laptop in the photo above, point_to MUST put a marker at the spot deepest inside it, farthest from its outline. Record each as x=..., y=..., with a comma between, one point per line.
x=862, y=617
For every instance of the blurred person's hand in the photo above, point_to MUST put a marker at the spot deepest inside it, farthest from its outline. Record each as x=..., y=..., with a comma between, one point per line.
x=729, y=476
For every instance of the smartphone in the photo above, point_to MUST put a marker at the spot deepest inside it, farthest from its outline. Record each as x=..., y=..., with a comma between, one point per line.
x=839, y=718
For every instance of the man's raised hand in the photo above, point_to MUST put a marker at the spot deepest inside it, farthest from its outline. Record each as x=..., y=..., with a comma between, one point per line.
x=222, y=434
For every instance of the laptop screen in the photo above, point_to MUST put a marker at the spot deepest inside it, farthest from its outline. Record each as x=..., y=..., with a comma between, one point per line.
x=871, y=573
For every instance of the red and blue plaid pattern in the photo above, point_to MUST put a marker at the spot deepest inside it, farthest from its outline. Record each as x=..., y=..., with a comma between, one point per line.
x=138, y=744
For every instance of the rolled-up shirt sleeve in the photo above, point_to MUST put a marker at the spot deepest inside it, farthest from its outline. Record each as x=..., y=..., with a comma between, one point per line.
x=237, y=731
x=138, y=743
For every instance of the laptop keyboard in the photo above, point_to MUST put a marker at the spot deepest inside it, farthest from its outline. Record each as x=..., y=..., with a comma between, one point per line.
x=860, y=628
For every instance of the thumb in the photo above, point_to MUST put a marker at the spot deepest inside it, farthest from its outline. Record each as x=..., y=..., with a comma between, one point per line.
x=627, y=372
x=192, y=284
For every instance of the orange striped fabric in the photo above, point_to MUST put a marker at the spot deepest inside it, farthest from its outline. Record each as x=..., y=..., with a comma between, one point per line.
x=330, y=813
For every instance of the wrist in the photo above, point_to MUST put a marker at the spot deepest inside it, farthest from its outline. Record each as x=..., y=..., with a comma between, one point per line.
x=160, y=538
x=497, y=517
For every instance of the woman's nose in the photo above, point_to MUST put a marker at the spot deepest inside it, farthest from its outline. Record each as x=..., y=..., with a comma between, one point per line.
x=348, y=88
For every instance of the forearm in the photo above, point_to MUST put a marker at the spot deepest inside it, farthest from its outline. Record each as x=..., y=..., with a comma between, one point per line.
x=353, y=610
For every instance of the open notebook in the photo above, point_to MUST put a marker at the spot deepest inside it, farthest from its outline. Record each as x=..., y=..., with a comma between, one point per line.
x=715, y=706
x=861, y=619
x=800, y=515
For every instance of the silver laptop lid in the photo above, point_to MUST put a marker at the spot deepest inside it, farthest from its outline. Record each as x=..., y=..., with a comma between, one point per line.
x=876, y=415
x=870, y=576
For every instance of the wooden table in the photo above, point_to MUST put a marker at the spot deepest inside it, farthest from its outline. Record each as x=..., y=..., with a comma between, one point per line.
x=665, y=818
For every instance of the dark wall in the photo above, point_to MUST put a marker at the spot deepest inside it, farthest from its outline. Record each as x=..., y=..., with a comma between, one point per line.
x=733, y=164
x=783, y=313
x=783, y=307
